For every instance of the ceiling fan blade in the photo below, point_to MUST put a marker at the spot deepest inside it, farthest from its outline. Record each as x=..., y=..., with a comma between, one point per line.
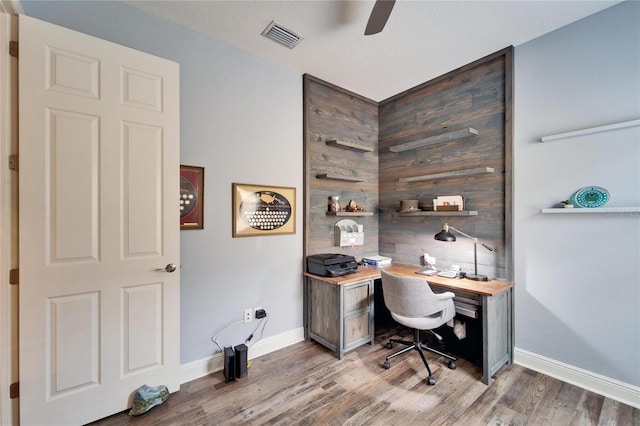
x=379, y=15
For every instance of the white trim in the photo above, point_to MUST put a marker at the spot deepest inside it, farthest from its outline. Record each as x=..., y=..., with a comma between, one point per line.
x=610, y=388
x=205, y=366
x=12, y=7
x=8, y=222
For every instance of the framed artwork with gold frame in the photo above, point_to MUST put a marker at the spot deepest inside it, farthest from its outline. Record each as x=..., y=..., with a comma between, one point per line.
x=191, y=197
x=263, y=210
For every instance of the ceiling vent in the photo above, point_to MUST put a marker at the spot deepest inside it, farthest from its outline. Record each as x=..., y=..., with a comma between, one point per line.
x=280, y=34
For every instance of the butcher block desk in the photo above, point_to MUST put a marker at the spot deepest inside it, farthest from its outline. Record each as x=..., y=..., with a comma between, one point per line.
x=340, y=311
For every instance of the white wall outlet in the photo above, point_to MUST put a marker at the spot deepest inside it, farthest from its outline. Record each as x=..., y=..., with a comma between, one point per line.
x=248, y=315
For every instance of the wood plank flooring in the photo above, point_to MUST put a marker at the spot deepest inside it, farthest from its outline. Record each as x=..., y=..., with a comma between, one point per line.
x=305, y=384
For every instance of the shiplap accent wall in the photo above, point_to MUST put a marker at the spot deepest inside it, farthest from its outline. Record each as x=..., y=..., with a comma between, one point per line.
x=477, y=96
x=331, y=112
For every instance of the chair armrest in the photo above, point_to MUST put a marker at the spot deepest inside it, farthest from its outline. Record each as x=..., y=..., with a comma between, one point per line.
x=444, y=296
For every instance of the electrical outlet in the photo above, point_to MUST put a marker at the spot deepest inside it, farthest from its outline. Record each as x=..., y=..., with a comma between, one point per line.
x=248, y=315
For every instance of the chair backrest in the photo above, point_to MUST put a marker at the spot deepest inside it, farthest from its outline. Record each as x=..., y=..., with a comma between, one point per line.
x=409, y=296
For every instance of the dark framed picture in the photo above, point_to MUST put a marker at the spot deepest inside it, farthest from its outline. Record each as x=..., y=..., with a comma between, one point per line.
x=191, y=197
x=263, y=210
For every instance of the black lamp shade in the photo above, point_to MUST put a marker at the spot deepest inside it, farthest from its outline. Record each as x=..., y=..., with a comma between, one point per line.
x=445, y=236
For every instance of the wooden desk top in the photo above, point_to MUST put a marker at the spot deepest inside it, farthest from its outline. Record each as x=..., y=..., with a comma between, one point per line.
x=484, y=288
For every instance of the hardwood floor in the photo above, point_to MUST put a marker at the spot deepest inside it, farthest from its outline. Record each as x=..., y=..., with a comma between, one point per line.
x=305, y=384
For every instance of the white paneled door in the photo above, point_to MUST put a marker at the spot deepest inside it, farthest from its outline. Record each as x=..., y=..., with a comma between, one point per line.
x=99, y=224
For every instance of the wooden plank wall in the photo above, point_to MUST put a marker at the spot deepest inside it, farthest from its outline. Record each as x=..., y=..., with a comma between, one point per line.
x=331, y=112
x=478, y=96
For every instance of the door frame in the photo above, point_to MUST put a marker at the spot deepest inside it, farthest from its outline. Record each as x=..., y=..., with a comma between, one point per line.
x=9, y=408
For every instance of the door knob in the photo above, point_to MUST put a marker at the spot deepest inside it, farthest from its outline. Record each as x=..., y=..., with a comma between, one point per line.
x=169, y=268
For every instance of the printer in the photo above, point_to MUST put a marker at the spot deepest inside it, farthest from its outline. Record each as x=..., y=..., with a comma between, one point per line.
x=331, y=264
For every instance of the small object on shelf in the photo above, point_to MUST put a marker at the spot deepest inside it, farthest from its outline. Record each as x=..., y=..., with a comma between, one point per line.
x=566, y=204
x=591, y=197
x=334, y=203
x=448, y=203
x=436, y=139
x=446, y=208
x=408, y=206
x=348, y=145
x=353, y=207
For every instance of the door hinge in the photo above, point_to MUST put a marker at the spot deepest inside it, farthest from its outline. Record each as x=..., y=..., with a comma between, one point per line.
x=14, y=390
x=13, y=48
x=13, y=162
x=14, y=276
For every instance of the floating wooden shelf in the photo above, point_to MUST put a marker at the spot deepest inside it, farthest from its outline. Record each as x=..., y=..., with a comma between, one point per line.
x=329, y=176
x=445, y=175
x=592, y=130
x=348, y=145
x=441, y=213
x=436, y=139
x=595, y=210
x=349, y=213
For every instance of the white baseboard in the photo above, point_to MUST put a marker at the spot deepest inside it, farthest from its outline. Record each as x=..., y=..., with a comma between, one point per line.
x=205, y=366
x=611, y=388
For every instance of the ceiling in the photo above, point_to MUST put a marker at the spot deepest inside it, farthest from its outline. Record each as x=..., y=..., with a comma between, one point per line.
x=421, y=40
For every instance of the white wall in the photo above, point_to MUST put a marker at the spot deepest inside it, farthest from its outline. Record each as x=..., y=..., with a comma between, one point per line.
x=241, y=118
x=578, y=276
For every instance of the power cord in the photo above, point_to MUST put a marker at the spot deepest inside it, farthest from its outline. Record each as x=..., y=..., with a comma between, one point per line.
x=214, y=338
x=260, y=326
x=263, y=324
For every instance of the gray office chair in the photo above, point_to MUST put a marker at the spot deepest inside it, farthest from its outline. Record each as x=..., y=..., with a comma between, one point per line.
x=413, y=304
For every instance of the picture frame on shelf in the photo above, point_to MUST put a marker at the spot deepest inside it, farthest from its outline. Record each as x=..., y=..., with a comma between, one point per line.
x=260, y=210
x=191, y=197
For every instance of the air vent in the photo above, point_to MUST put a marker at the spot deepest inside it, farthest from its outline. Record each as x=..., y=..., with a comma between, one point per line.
x=281, y=35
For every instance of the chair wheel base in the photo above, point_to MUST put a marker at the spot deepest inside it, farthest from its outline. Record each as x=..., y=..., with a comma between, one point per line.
x=431, y=381
x=453, y=365
x=387, y=365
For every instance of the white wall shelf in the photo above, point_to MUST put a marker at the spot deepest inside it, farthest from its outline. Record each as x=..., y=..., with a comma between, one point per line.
x=446, y=175
x=591, y=130
x=348, y=145
x=436, y=139
x=610, y=210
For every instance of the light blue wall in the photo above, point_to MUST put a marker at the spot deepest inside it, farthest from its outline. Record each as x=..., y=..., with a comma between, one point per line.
x=578, y=276
x=230, y=126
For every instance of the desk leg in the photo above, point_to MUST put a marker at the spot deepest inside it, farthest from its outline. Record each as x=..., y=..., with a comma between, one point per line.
x=497, y=341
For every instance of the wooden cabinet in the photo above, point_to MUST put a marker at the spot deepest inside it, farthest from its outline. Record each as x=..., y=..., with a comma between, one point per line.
x=340, y=316
x=491, y=332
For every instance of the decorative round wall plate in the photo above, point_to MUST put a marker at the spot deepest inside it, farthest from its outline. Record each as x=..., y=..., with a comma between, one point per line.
x=591, y=196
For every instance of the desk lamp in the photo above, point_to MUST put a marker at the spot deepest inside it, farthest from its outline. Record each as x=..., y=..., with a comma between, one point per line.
x=445, y=235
